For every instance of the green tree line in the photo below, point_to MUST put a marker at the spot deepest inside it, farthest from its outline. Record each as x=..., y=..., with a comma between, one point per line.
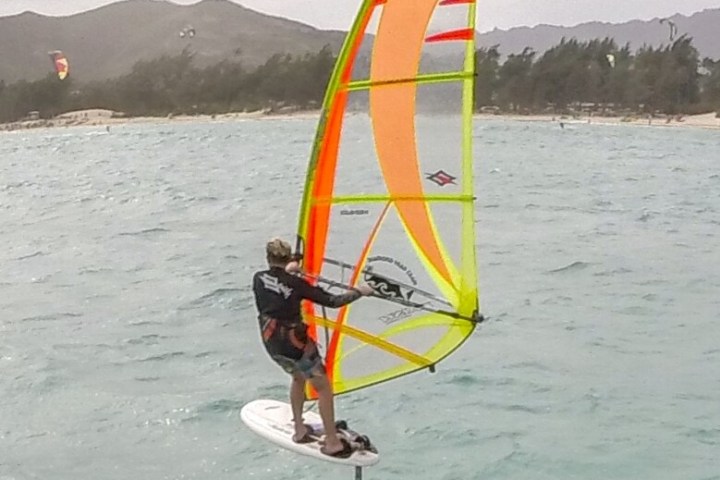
x=174, y=85
x=671, y=79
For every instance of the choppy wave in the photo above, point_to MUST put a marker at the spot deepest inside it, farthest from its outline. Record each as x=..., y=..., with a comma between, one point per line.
x=572, y=267
x=144, y=232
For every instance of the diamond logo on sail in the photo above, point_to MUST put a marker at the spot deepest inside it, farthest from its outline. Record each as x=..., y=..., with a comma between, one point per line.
x=441, y=178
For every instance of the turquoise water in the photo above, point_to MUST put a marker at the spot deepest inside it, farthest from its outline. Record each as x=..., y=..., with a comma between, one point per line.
x=129, y=339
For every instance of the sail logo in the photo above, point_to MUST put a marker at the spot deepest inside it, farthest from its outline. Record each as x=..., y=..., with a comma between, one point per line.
x=386, y=287
x=357, y=211
x=392, y=289
x=441, y=178
x=397, y=315
x=273, y=284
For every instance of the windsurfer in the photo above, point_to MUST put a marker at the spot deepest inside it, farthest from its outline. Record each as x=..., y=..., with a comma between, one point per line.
x=278, y=296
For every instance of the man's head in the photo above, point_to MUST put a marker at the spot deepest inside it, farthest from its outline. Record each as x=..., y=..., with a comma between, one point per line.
x=278, y=252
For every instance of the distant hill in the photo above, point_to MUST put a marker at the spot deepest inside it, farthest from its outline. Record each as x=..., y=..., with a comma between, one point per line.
x=703, y=27
x=108, y=41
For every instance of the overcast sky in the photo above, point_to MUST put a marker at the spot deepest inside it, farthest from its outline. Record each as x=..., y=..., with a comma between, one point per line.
x=493, y=13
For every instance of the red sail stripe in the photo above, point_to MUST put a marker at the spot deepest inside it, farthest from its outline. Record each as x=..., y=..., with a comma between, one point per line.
x=455, y=2
x=463, y=34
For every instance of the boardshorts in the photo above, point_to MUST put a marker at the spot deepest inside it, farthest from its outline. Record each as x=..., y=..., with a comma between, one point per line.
x=291, y=348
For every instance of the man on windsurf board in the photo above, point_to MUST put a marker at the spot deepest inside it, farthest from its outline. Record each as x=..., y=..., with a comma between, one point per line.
x=278, y=296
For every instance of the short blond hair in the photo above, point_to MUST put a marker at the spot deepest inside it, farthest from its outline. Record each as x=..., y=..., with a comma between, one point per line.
x=278, y=251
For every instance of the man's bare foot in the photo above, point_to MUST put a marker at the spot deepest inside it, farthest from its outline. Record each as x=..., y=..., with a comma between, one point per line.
x=338, y=448
x=302, y=434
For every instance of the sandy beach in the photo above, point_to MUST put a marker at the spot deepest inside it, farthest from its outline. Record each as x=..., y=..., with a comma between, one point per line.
x=108, y=118
x=706, y=120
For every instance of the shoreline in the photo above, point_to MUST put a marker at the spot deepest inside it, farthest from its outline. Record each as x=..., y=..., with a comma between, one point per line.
x=107, y=118
x=704, y=121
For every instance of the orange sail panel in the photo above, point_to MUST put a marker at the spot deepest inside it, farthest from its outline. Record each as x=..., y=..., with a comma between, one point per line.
x=397, y=51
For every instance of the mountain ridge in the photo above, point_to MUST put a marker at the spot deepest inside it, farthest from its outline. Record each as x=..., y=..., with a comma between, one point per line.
x=107, y=41
x=702, y=26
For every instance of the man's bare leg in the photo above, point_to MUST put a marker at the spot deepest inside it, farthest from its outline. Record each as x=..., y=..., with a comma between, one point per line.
x=327, y=413
x=297, y=400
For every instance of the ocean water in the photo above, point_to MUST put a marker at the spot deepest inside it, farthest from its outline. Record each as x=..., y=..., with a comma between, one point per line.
x=128, y=340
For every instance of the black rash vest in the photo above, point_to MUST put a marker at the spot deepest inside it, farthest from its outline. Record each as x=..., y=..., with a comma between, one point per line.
x=279, y=294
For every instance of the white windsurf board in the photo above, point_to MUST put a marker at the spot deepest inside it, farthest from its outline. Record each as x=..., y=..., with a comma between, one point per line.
x=272, y=420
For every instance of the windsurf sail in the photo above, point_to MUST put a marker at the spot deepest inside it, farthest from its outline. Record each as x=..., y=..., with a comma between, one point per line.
x=60, y=62
x=389, y=197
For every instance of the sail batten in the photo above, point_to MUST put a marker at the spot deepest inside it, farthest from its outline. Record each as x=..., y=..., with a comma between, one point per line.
x=389, y=194
x=350, y=199
x=418, y=80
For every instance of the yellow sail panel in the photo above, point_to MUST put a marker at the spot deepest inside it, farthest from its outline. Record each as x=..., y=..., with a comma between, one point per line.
x=389, y=194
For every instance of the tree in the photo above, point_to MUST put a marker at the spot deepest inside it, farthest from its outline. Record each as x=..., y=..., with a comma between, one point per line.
x=678, y=86
x=515, y=86
x=487, y=65
x=711, y=84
